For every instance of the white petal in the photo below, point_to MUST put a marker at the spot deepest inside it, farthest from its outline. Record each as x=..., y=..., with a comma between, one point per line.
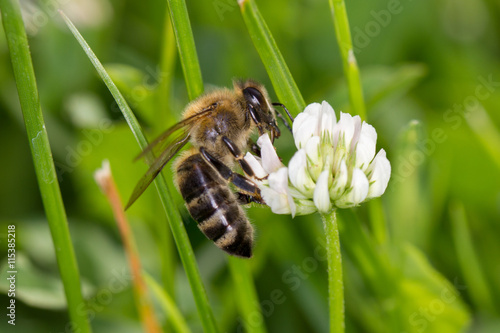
x=321, y=195
x=298, y=122
x=356, y=135
x=380, y=172
x=313, y=109
x=276, y=201
x=306, y=124
x=270, y=160
x=299, y=175
x=340, y=181
x=277, y=195
x=339, y=129
x=255, y=165
x=346, y=129
x=357, y=192
x=328, y=121
x=306, y=131
x=365, y=149
x=312, y=148
x=315, y=160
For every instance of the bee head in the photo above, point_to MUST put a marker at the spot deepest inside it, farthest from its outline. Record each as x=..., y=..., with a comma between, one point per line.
x=260, y=110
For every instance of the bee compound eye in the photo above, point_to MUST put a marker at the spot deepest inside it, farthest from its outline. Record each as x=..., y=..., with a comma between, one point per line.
x=253, y=96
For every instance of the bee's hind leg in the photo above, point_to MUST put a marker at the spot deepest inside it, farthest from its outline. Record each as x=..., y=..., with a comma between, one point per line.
x=245, y=199
x=245, y=185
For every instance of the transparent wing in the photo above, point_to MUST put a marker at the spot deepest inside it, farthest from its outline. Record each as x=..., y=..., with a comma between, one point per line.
x=164, y=141
x=167, y=145
x=156, y=167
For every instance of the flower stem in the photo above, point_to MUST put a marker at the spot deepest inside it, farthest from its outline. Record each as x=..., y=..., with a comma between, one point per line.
x=335, y=276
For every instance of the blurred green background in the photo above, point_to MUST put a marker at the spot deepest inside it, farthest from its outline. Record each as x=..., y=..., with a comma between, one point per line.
x=431, y=77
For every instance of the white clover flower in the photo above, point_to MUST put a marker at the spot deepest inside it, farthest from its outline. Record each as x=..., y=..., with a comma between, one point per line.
x=335, y=164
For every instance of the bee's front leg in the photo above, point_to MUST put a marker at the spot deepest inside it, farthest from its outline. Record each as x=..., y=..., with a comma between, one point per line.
x=245, y=185
x=235, y=151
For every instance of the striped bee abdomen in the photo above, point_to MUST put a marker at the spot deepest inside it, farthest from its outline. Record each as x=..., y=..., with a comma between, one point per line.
x=212, y=204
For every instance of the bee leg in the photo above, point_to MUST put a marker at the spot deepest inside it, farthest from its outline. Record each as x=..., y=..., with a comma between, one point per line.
x=256, y=118
x=253, y=147
x=245, y=199
x=241, y=182
x=239, y=157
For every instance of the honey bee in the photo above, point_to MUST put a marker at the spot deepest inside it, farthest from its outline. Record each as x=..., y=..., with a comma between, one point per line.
x=218, y=125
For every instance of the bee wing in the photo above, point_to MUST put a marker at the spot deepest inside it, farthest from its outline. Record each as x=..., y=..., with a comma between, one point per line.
x=164, y=140
x=167, y=144
x=158, y=164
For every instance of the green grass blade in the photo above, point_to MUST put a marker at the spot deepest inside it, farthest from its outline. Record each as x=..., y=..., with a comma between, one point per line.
x=166, y=118
x=469, y=262
x=42, y=159
x=168, y=57
x=246, y=296
x=351, y=70
x=405, y=194
x=179, y=232
x=167, y=304
x=185, y=45
x=378, y=222
x=283, y=82
x=486, y=132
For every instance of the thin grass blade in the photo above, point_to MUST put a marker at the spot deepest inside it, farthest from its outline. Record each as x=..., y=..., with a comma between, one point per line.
x=487, y=133
x=351, y=70
x=247, y=298
x=43, y=162
x=479, y=292
x=167, y=304
x=186, y=47
x=281, y=78
x=179, y=232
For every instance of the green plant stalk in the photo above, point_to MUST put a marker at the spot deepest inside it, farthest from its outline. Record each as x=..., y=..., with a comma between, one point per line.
x=166, y=119
x=469, y=262
x=167, y=304
x=335, y=276
x=351, y=70
x=283, y=82
x=247, y=299
x=168, y=55
x=186, y=47
x=42, y=159
x=179, y=232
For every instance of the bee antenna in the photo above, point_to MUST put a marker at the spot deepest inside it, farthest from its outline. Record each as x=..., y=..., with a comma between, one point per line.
x=283, y=118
